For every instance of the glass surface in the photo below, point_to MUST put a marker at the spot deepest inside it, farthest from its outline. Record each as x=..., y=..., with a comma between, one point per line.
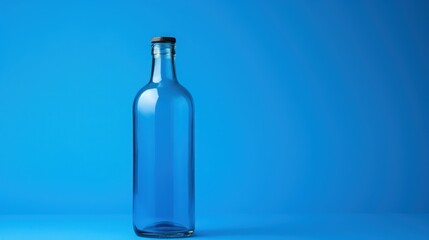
x=163, y=201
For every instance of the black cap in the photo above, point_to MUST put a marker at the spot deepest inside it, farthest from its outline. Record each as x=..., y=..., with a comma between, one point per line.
x=163, y=40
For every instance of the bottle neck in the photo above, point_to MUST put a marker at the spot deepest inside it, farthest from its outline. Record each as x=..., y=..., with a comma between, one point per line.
x=163, y=69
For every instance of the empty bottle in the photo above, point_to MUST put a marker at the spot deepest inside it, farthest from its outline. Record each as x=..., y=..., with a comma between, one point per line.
x=163, y=181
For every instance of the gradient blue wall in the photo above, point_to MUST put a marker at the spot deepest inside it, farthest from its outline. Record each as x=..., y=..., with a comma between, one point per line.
x=305, y=106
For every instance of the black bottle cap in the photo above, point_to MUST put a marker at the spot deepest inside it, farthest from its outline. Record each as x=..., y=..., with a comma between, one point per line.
x=163, y=40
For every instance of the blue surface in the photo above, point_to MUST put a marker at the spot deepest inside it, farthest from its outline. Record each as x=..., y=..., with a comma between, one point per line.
x=301, y=106
x=297, y=226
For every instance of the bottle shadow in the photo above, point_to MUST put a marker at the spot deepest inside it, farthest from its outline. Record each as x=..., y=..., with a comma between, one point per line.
x=247, y=231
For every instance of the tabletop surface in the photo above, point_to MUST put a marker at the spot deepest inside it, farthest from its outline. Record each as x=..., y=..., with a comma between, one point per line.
x=296, y=226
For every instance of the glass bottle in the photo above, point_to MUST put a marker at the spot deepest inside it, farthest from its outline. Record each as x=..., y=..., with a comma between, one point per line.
x=163, y=180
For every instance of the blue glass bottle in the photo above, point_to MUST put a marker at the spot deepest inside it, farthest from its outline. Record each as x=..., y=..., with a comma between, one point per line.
x=163, y=181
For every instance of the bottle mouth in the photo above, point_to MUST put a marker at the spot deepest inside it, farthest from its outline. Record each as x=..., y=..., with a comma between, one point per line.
x=163, y=48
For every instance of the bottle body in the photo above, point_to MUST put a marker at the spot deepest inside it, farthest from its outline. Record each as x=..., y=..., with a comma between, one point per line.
x=163, y=181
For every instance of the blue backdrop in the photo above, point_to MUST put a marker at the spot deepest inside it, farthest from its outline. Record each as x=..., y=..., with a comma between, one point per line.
x=301, y=106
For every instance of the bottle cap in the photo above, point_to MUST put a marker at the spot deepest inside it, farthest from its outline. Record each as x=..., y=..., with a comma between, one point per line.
x=163, y=40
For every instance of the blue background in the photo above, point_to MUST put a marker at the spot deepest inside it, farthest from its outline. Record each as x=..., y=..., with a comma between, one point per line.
x=301, y=106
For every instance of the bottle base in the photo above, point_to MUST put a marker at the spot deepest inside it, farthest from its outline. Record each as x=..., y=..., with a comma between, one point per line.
x=164, y=230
